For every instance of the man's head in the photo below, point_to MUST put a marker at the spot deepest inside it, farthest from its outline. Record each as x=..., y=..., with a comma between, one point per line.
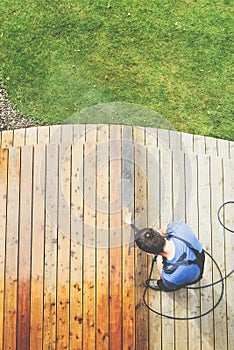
x=151, y=241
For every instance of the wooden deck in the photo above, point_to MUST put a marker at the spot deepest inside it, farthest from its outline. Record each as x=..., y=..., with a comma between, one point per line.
x=70, y=277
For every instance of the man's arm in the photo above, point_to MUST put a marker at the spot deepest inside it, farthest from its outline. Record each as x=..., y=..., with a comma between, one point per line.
x=160, y=265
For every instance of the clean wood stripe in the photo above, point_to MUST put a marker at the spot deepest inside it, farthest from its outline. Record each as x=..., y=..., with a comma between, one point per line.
x=128, y=241
x=64, y=236
x=38, y=238
x=141, y=264
x=102, y=242
x=3, y=226
x=24, y=259
x=77, y=231
x=51, y=240
x=89, y=267
x=116, y=320
x=11, y=260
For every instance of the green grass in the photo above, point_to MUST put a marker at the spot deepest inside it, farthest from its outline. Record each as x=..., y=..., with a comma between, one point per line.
x=170, y=57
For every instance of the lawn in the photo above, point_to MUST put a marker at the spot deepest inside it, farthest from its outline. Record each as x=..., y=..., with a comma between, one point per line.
x=170, y=58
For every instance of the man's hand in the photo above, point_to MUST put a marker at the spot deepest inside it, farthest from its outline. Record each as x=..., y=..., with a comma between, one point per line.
x=127, y=216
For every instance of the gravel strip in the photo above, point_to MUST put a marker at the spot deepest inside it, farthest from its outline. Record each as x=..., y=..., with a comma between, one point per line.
x=10, y=118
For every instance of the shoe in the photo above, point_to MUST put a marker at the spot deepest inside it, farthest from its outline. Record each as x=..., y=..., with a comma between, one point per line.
x=151, y=283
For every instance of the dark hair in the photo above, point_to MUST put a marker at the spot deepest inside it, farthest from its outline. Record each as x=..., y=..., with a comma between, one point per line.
x=150, y=241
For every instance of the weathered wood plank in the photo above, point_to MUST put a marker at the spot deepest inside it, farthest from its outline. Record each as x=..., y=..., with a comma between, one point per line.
x=79, y=133
x=179, y=205
x=141, y=264
x=38, y=229
x=207, y=323
x=31, y=136
x=175, y=140
x=191, y=191
x=211, y=146
x=90, y=132
x=116, y=340
x=228, y=168
x=218, y=250
x=51, y=242
x=151, y=137
x=67, y=133
x=3, y=225
x=11, y=260
x=64, y=235
x=199, y=144
x=89, y=267
x=167, y=304
x=24, y=259
x=55, y=134
x=223, y=148
x=163, y=139
x=153, y=194
x=77, y=220
x=102, y=262
x=43, y=135
x=128, y=243
x=19, y=137
x=187, y=142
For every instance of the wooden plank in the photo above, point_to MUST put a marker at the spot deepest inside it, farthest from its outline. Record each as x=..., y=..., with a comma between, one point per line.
x=79, y=133
x=19, y=137
x=63, y=267
x=50, y=268
x=31, y=136
x=199, y=144
x=3, y=225
x=218, y=251
x=89, y=247
x=7, y=138
x=38, y=232
x=24, y=257
x=211, y=146
x=175, y=140
x=91, y=133
x=55, y=134
x=153, y=177
x=102, y=133
x=163, y=139
x=228, y=167
x=187, y=142
x=168, y=331
x=141, y=263
x=179, y=199
x=67, y=133
x=207, y=323
x=191, y=191
x=151, y=137
x=116, y=321
x=139, y=135
x=231, y=150
x=76, y=278
x=128, y=244
x=43, y=135
x=11, y=262
x=102, y=262
x=223, y=148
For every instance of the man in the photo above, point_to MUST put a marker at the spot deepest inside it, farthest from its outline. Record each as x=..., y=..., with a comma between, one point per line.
x=180, y=257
